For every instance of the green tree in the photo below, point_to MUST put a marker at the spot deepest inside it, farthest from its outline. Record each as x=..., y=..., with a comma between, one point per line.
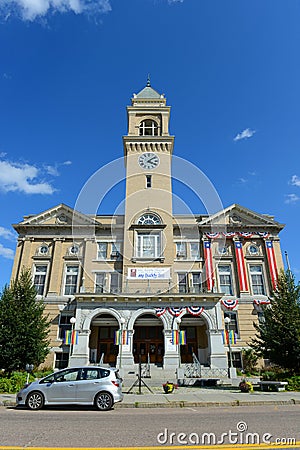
x=278, y=332
x=24, y=327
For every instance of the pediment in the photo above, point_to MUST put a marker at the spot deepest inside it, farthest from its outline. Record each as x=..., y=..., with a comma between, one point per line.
x=60, y=215
x=239, y=217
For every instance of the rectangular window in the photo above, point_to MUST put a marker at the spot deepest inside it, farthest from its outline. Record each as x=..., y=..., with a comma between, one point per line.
x=64, y=324
x=102, y=250
x=180, y=249
x=225, y=279
x=195, y=250
x=39, y=279
x=148, y=245
x=100, y=283
x=148, y=181
x=233, y=324
x=61, y=360
x=71, y=280
x=115, y=282
x=257, y=280
x=182, y=283
x=236, y=360
x=196, y=281
x=115, y=249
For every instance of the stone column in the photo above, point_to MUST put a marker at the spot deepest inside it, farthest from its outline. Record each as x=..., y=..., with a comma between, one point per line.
x=218, y=357
x=127, y=360
x=80, y=353
x=171, y=357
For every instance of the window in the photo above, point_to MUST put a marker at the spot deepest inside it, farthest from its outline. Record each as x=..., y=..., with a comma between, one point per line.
x=148, y=245
x=39, y=279
x=74, y=250
x=257, y=280
x=148, y=181
x=71, y=280
x=182, y=282
x=222, y=249
x=148, y=128
x=115, y=250
x=149, y=219
x=195, y=250
x=100, y=283
x=196, y=282
x=233, y=324
x=225, y=279
x=253, y=250
x=115, y=282
x=61, y=360
x=236, y=360
x=64, y=324
x=180, y=249
x=102, y=250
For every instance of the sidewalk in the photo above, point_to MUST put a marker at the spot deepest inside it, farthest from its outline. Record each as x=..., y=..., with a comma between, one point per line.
x=194, y=397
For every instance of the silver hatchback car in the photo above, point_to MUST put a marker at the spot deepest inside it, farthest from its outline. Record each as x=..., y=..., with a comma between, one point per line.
x=89, y=385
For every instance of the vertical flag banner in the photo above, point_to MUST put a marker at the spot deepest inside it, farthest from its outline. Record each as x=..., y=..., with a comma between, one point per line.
x=71, y=337
x=241, y=266
x=208, y=265
x=175, y=338
x=178, y=337
x=229, y=337
x=121, y=337
x=182, y=337
x=272, y=262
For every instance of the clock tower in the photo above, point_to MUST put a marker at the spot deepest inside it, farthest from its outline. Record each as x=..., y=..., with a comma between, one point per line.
x=148, y=232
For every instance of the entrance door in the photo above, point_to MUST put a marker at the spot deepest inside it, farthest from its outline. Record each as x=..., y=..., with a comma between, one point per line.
x=148, y=341
x=106, y=345
x=186, y=351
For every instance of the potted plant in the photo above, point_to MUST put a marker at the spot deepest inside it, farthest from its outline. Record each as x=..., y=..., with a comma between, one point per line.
x=246, y=386
x=168, y=387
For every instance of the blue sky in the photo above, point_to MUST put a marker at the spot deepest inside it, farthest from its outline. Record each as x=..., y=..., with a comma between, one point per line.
x=229, y=69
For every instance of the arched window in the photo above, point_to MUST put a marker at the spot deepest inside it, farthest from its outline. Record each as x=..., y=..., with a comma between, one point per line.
x=149, y=219
x=148, y=128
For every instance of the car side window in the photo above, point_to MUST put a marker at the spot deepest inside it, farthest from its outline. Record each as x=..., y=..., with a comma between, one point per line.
x=90, y=374
x=104, y=373
x=48, y=379
x=66, y=375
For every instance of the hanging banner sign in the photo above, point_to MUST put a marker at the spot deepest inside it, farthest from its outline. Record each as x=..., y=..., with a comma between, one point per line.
x=148, y=273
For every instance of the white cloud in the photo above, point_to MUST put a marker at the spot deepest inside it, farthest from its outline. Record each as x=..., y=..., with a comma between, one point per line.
x=291, y=198
x=175, y=1
x=32, y=9
x=245, y=134
x=6, y=252
x=7, y=234
x=20, y=177
x=295, y=181
x=53, y=170
x=2, y=154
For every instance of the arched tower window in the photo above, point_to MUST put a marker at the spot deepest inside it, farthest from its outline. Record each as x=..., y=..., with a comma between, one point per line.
x=148, y=128
x=149, y=219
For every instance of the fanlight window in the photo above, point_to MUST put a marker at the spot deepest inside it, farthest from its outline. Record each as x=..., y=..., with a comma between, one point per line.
x=148, y=128
x=149, y=219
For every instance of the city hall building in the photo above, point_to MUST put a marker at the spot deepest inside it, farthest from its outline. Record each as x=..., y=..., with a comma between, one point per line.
x=149, y=285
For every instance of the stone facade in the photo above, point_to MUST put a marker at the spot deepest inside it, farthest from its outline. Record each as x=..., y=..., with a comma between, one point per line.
x=143, y=275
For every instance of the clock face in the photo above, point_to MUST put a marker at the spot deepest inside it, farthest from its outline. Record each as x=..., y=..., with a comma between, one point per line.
x=148, y=160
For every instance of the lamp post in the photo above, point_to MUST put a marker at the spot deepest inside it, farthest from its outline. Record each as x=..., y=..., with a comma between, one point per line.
x=178, y=321
x=122, y=320
x=72, y=322
x=232, y=370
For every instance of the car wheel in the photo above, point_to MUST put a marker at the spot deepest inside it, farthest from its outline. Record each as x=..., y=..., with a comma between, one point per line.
x=35, y=401
x=104, y=401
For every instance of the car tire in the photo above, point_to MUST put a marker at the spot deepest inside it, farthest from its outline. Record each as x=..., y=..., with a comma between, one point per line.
x=104, y=401
x=35, y=401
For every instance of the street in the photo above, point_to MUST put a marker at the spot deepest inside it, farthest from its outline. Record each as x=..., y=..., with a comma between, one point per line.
x=69, y=427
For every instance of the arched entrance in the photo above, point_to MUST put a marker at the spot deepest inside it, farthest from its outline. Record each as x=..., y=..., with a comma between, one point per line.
x=148, y=339
x=196, y=339
x=102, y=338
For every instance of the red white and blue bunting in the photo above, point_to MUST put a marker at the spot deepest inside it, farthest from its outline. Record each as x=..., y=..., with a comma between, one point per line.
x=229, y=303
x=244, y=234
x=195, y=310
x=261, y=302
x=176, y=311
x=160, y=311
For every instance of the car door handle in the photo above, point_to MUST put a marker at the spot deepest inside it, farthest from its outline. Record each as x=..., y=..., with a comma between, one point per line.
x=71, y=385
x=97, y=382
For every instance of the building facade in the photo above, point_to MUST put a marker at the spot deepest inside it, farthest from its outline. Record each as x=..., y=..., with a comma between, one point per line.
x=148, y=284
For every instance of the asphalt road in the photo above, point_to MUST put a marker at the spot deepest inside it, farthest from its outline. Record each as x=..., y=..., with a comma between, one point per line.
x=141, y=427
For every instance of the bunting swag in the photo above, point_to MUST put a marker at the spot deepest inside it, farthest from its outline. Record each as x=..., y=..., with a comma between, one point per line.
x=230, y=303
x=178, y=337
x=176, y=311
x=121, y=337
x=244, y=234
x=195, y=310
x=160, y=311
x=261, y=302
x=272, y=263
x=229, y=337
x=71, y=337
x=208, y=265
x=241, y=266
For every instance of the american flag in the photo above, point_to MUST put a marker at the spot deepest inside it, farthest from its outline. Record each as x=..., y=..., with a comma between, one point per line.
x=272, y=262
x=241, y=266
x=208, y=265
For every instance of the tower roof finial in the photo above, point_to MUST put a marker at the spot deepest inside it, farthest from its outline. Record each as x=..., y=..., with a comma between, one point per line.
x=148, y=80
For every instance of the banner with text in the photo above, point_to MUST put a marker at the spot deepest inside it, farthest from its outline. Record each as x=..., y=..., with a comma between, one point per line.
x=148, y=273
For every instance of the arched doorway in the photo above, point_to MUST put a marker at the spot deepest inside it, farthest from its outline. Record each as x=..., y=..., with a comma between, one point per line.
x=148, y=339
x=102, y=338
x=196, y=339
